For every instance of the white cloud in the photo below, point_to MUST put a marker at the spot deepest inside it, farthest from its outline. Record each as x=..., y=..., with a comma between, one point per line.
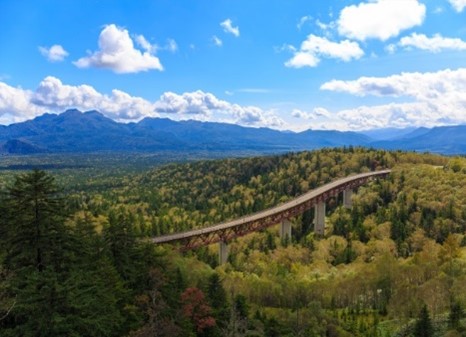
x=56, y=96
x=117, y=53
x=56, y=53
x=321, y=112
x=418, y=85
x=325, y=26
x=316, y=113
x=17, y=104
x=437, y=98
x=218, y=42
x=433, y=44
x=205, y=106
x=380, y=19
x=297, y=113
x=227, y=26
x=315, y=47
x=171, y=46
x=302, y=59
x=302, y=21
x=458, y=5
x=146, y=45
x=391, y=48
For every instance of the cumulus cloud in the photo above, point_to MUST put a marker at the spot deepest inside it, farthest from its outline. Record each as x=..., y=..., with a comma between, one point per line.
x=434, y=44
x=315, y=47
x=458, y=5
x=218, y=42
x=316, y=112
x=228, y=27
x=205, y=106
x=56, y=96
x=118, y=53
x=17, y=104
x=321, y=112
x=437, y=98
x=56, y=53
x=297, y=113
x=380, y=19
x=418, y=85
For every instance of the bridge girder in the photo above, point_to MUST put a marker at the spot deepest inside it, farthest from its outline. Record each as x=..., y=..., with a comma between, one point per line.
x=226, y=234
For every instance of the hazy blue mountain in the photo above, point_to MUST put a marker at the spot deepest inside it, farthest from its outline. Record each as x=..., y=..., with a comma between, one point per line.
x=388, y=133
x=74, y=131
x=415, y=133
x=329, y=138
x=15, y=146
x=444, y=139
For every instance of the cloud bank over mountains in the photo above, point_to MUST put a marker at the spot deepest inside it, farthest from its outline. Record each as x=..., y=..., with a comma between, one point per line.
x=420, y=99
x=437, y=98
x=52, y=95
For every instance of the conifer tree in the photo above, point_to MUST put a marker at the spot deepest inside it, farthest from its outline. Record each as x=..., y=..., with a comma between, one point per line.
x=34, y=224
x=423, y=327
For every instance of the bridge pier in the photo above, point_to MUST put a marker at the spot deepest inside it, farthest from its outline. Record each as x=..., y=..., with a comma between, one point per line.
x=285, y=229
x=222, y=252
x=319, y=218
x=347, y=202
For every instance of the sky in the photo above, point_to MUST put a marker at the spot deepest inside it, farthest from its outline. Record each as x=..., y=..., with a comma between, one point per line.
x=287, y=65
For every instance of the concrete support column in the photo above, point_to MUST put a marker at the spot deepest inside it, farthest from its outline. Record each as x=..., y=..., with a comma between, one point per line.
x=222, y=252
x=285, y=229
x=319, y=218
x=347, y=202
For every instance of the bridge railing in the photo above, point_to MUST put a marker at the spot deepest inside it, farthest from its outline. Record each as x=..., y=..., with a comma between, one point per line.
x=272, y=211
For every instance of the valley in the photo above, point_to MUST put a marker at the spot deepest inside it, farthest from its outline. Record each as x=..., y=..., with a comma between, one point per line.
x=399, y=249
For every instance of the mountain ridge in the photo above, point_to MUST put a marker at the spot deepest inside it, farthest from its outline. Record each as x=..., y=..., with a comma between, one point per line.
x=74, y=131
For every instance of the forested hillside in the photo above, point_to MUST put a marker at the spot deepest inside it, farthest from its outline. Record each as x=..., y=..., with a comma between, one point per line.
x=74, y=259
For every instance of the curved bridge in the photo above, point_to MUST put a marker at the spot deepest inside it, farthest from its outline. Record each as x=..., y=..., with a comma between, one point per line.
x=226, y=231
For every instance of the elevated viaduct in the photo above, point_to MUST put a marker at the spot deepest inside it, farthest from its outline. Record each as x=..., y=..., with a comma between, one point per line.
x=281, y=214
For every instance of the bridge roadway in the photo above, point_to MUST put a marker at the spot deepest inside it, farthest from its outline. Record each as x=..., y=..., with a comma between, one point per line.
x=238, y=227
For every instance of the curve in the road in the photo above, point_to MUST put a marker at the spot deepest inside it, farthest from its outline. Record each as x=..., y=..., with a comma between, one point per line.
x=244, y=225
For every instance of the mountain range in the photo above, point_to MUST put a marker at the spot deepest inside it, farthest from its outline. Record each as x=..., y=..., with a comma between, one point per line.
x=74, y=131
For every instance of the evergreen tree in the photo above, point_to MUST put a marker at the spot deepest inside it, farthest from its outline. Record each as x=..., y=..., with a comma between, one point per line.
x=423, y=327
x=35, y=224
x=218, y=300
x=60, y=281
x=456, y=314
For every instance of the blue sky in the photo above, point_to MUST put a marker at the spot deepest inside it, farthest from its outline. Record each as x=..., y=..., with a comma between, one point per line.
x=347, y=65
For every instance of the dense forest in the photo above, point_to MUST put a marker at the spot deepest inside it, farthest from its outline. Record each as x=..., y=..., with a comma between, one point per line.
x=74, y=260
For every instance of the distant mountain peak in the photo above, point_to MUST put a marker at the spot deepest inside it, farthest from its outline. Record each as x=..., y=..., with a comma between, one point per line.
x=71, y=112
x=91, y=131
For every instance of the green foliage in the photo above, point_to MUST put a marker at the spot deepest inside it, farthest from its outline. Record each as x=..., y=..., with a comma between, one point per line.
x=402, y=244
x=34, y=224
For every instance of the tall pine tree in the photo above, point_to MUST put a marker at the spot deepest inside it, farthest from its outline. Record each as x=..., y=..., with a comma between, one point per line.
x=34, y=224
x=423, y=327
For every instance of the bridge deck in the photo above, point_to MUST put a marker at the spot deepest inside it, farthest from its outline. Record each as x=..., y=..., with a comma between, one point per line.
x=270, y=211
